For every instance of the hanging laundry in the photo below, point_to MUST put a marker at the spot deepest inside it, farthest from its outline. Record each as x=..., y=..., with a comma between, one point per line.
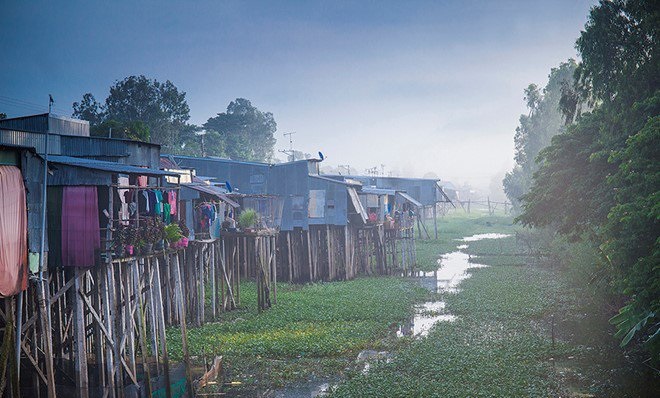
x=166, y=213
x=124, y=214
x=81, y=236
x=153, y=203
x=171, y=198
x=159, y=202
x=13, y=232
x=142, y=181
x=143, y=202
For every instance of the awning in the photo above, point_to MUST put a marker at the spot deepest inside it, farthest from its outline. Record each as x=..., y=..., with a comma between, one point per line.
x=111, y=167
x=444, y=195
x=410, y=199
x=357, y=204
x=207, y=189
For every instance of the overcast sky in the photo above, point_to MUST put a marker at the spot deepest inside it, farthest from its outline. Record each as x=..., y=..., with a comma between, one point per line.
x=418, y=86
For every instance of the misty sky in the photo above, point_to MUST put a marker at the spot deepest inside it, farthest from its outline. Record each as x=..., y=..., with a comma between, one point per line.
x=418, y=86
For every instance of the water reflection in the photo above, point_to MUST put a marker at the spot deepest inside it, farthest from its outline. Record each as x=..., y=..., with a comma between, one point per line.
x=452, y=271
x=312, y=389
x=426, y=315
x=477, y=237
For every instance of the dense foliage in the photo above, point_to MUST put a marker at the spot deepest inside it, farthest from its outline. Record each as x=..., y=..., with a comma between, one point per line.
x=139, y=108
x=247, y=132
x=600, y=180
x=535, y=129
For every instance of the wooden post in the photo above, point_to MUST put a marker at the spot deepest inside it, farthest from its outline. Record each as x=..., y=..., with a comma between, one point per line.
x=178, y=292
x=212, y=278
x=142, y=328
x=161, y=328
x=347, y=267
x=435, y=221
x=274, y=240
x=80, y=357
x=309, y=256
x=288, y=250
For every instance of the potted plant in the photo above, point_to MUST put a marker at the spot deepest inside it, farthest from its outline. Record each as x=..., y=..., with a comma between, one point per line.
x=159, y=233
x=151, y=234
x=173, y=234
x=132, y=234
x=247, y=219
x=119, y=240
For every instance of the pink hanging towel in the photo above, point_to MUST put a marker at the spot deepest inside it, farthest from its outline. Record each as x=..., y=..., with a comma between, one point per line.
x=81, y=235
x=171, y=198
x=13, y=232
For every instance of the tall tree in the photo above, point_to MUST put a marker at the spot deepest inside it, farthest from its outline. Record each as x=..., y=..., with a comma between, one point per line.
x=543, y=121
x=601, y=179
x=248, y=133
x=138, y=108
x=89, y=109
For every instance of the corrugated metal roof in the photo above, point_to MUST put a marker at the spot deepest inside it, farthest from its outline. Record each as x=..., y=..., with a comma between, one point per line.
x=212, y=191
x=178, y=158
x=107, y=166
x=332, y=180
x=410, y=199
x=378, y=191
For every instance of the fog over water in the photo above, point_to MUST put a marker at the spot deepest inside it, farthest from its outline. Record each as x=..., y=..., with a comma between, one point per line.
x=421, y=87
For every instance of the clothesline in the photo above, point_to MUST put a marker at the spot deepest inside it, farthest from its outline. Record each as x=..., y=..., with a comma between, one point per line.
x=166, y=188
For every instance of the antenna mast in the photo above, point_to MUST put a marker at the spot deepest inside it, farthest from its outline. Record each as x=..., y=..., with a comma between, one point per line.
x=290, y=151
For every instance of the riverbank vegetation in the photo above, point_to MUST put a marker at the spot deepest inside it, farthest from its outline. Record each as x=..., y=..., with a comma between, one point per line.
x=314, y=330
x=597, y=183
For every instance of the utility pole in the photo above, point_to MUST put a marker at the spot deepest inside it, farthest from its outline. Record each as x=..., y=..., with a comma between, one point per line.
x=201, y=134
x=347, y=167
x=290, y=151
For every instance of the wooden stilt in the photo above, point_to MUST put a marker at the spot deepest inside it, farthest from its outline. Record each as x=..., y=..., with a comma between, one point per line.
x=80, y=357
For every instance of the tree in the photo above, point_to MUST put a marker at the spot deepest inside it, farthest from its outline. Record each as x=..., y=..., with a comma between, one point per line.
x=139, y=107
x=543, y=121
x=89, y=109
x=600, y=179
x=132, y=130
x=248, y=133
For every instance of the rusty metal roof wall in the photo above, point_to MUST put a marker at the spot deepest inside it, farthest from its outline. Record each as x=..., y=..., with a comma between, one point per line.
x=134, y=153
x=32, y=123
x=424, y=190
x=32, y=140
x=245, y=177
x=41, y=123
x=110, y=167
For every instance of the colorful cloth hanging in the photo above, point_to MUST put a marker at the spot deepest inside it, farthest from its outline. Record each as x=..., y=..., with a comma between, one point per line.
x=13, y=232
x=81, y=234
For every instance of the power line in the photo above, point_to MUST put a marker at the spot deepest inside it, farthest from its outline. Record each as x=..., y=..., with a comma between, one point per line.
x=30, y=106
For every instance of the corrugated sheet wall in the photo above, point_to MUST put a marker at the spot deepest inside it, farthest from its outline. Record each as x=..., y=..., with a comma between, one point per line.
x=32, y=140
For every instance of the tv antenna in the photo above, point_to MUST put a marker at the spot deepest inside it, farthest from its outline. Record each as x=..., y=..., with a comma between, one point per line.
x=290, y=151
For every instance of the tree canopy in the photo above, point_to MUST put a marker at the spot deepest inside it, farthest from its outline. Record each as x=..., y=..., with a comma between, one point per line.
x=536, y=129
x=138, y=108
x=247, y=132
x=601, y=178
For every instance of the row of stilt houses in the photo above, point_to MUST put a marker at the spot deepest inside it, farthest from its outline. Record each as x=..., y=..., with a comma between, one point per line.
x=106, y=243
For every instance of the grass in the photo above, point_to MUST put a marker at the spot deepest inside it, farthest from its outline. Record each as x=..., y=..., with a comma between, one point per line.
x=314, y=330
x=453, y=227
x=499, y=346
